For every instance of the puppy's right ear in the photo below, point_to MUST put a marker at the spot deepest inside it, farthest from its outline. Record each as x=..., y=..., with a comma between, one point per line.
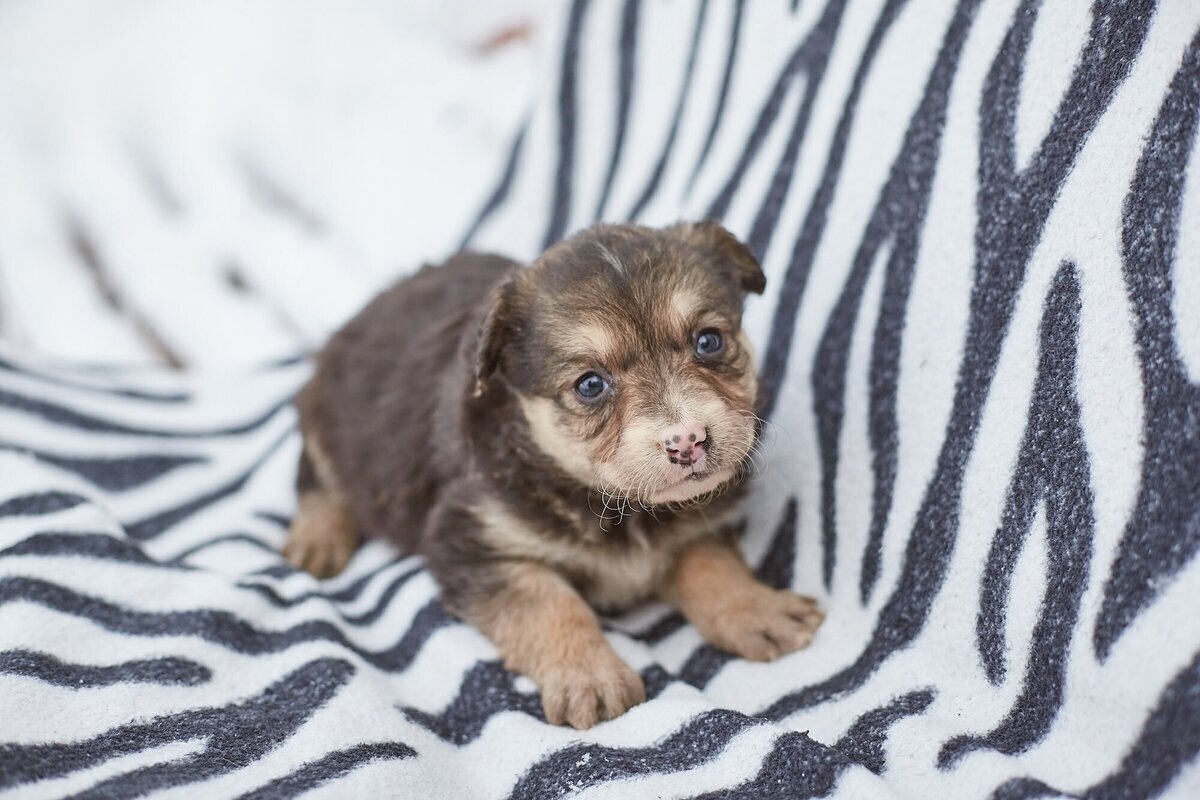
x=736, y=256
x=494, y=335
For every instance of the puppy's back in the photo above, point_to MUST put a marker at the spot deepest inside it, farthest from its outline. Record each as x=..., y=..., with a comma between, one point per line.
x=386, y=385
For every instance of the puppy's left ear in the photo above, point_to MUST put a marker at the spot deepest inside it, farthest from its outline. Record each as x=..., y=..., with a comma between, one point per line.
x=494, y=334
x=710, y=235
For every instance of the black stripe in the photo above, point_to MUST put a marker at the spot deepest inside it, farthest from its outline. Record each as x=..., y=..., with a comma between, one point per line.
x=670, y=623
x=919, y=571
x=585, y=765
x=685, y=88
x=121, y=549
x=817, y=50
x=277, y=571
x=560, y=207
x=799, y=63
x=503, y=187
x=384, y=602
x=486, y=690
x=796, y=768
x=735, y=32
x=284, y=362
x=155, y=524
x=1024, y=789
x=281, y=520
x=898, y=218
x=656, y=680
x=244, y=538
x=1012, y=212
x=625, y=69
x=703, y=665
x=354, y=590
x=115, y=474
x=47, y=668
x=1052, y=472
x=863, y=742
x=795, y=277
x=234, y=736
x=89, y=545
x=778, y=564
x=343, y=596
x=1163, y=533
x=1169, y=740
x=110, y=548
x=40, y=504
x=123, y=391
x=70, y=418
x=221, y=627
x=328, y=768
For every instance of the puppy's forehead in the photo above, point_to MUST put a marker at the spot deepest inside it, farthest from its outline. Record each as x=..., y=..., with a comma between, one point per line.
x=599, y=315
x=625, y=276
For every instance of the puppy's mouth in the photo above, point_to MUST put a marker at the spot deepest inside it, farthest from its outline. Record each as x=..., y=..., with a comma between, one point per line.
x=691, y=486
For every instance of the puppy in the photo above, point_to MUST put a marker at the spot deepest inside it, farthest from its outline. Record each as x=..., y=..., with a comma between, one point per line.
x=546, y=437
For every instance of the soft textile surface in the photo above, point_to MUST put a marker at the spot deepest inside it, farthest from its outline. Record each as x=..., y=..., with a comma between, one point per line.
x=980, y=347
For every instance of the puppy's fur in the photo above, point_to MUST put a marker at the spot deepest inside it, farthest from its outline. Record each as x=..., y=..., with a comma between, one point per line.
x=451, y=416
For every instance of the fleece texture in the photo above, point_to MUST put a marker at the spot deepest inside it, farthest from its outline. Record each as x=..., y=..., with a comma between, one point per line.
x=980, y=353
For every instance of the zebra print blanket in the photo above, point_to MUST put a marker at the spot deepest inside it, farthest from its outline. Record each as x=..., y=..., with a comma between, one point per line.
x=980, y=346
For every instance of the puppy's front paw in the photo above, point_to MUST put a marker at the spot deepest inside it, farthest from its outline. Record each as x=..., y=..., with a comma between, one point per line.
x=590, y=689
x=761, y=624
x=321, y=539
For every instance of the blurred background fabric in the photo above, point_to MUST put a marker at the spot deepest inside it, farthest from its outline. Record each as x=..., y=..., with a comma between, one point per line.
x=979, y=346
x=268, y=165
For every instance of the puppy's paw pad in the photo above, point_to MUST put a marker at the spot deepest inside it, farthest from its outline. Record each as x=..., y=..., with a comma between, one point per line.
x=769, y=624
x=585, y=694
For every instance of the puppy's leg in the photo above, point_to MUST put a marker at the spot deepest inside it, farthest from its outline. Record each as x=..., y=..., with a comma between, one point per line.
x=734, y=611
x=545, y=630
x=322, y=538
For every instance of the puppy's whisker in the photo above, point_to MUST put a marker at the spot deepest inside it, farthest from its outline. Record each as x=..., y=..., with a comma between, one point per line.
x=769, y=430
x=592, y=509
x=602, y=515
x=755, y=464
x=614, y=500
x=611, y=502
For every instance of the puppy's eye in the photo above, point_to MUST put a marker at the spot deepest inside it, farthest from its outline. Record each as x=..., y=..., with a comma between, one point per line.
x=591, y=386
x=709, y=342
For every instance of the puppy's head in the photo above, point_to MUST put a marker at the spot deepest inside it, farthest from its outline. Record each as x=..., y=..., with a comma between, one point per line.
x=624, y=345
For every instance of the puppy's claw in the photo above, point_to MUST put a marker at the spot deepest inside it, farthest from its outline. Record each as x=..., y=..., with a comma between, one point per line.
x=591, y=691
x=766, y=624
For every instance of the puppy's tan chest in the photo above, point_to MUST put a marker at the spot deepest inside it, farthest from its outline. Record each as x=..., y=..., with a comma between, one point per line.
x=611, y=570
x=614, y=579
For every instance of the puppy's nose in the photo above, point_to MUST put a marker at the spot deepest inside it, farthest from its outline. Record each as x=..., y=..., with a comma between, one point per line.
x=685, y=443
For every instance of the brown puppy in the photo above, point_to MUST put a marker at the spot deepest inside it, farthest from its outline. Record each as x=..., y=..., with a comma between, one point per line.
x=545, y=437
